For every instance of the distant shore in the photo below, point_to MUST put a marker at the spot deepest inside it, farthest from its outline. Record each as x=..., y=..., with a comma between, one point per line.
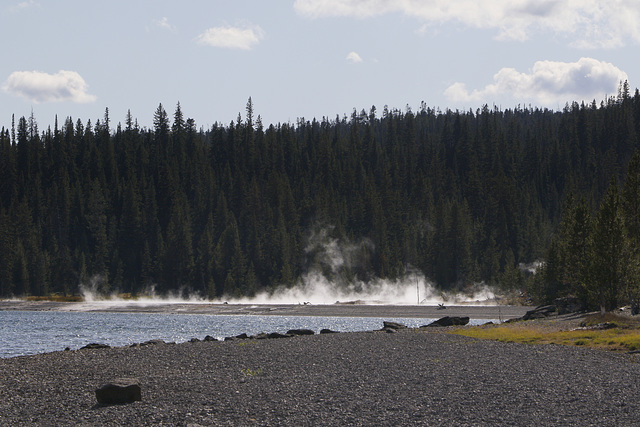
x=499, y=312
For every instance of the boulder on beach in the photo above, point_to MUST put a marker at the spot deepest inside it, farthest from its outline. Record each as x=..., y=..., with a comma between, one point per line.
x=539, y=312
x=450, y=321
x=94, y=346
x=300, y=332
x=119, y=391
x=566, y=305
x=277, y=335
x=393, y=325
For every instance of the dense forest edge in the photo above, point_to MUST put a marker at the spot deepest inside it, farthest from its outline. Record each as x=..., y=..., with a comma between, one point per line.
x=543, y=202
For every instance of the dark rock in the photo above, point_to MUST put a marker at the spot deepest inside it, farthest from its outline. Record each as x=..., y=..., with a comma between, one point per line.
x=450, y=321
x=328, y=331
x=210, y=338
x=390, y=330
x=393, y=325
x=568, y=305
x=539, y=312
x=194, y=340
x=95, y=345
x=278, y=335
x=229, y=338
x=119, y=391
x=260, y=336
x=300, y=332
x=242, y=336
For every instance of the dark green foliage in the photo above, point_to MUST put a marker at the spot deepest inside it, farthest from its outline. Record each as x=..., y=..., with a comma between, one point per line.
x=606, y=277
x=462, y=196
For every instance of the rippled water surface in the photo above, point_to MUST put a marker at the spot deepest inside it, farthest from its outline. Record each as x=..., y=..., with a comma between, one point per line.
x=32, y=332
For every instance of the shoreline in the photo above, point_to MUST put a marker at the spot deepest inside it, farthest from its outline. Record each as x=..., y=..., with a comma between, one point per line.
x=412, y=377
x=485, y=312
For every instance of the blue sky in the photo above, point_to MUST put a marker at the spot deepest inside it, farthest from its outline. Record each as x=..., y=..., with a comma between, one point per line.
x=307, y=58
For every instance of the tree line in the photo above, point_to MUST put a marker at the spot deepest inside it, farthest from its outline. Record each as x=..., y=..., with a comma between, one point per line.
x=596, y=256
x=463, y=196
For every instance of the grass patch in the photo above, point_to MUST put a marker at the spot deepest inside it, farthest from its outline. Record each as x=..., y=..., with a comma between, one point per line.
x=612, y=319
x=622, y=336
x=252, y=372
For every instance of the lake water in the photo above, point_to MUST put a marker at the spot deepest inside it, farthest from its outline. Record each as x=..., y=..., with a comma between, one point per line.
x=32, y=332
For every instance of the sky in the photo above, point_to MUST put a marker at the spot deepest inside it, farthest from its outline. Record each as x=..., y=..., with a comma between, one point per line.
x=307, y=58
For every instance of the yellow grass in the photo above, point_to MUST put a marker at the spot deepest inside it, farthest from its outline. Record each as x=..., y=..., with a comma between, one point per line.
x=623, y=336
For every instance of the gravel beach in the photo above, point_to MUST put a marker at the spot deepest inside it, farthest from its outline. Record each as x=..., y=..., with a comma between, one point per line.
x=412, y=377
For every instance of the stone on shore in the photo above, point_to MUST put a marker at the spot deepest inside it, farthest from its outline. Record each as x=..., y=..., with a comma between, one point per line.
x=277, y=335
x=539, y=312
x=119, y=391
x=300, y=332
x=393, y=325
x=94, y=346
x=566, y=305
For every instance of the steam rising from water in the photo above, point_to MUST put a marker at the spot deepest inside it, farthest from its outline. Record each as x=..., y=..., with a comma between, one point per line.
x=412, y=289
x=95, y=299
x=337, y=271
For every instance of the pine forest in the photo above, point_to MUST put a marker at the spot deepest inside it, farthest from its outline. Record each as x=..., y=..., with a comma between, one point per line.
x=463, y=197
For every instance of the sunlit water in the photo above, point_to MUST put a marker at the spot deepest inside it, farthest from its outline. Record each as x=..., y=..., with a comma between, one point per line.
x=32, y=332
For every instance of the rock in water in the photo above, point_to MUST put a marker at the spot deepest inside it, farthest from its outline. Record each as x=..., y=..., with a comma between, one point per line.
x=119, y=391
x=450, y=321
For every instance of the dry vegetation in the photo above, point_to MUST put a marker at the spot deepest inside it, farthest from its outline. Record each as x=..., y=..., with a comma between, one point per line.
x=611, y=332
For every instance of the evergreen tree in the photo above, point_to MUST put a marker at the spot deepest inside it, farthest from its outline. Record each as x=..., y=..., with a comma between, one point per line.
x=630, y=206
x=606, y=278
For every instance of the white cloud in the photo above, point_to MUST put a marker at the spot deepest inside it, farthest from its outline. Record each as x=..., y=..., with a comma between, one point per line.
x=41, y=87
x=25, y=4
x=586, y=23
x=164, y=23
x=548, y=83
x=354, y=58
x=232, y=37
x=21, y=6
